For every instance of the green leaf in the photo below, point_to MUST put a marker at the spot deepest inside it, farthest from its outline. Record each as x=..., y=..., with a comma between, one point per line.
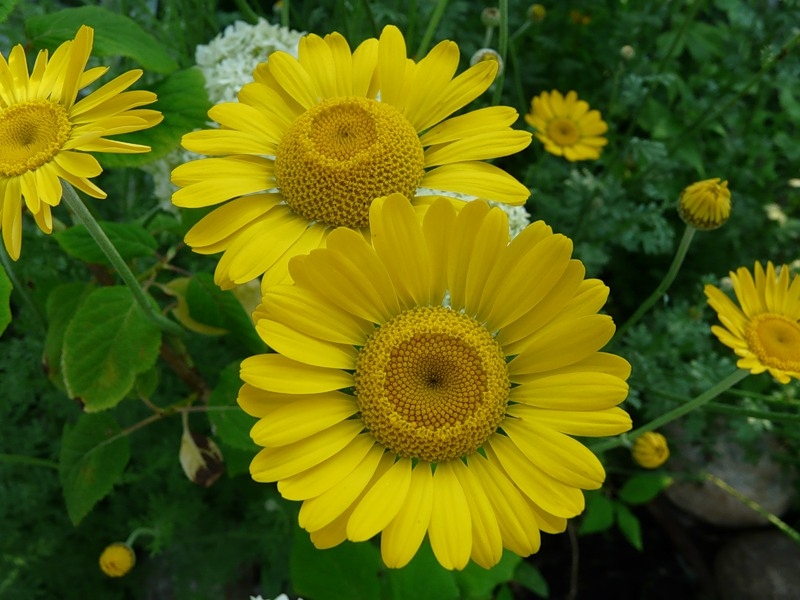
x=599, y=514
x=107, y=344
x=237, y=462
x=629, y=525
x=642, y=488
x=183, y=101
x=477, y=583
x=423, y=578
x=530, y=577
x=6, y=6
x=5, y=300
x=61, y=305
x=130, y=239
x=91, y=462
x=232, y=425
x=114, y=35
x=348, y=571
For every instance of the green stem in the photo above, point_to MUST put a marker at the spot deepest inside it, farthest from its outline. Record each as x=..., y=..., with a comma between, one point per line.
x=373, y=24
x=503, y=50
x=285, y=8
x=436, y=17
x=675, y=413
x=645, y=306
x=767, y=415
x=782, y=525
x=75, y=204
x=247, y=12
x=28, y=460
x=20, y=289
x=138, y=532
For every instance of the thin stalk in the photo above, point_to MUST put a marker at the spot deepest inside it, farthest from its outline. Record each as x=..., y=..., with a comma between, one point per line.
x=677, y=261
x=20, y=289
x=436, y=17
x=139, y=531
x=75, y=204
x=503, y=50
x=28, y=460
x=285, y=9
x=247, y=11
x=753, y=414
x=675, y=413
x=373, y=24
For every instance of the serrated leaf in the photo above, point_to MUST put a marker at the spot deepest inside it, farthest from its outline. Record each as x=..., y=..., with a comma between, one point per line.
x=114, y=35
x=346, y=572
x=477, y=583
x=107, y=344
x=640, y=489
x=61, y=305
x=530, y=577
x=5, y=300
x=130, y=239
x=629, y=525
x=183, y=101
x=90, y=464
x=598, y=516
x=232, y=425
x=423, y=578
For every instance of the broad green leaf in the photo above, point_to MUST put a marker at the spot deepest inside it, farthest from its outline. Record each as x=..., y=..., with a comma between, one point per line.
x=530, y=577
x=231, y=423
x=629, y=525
x=130, y=239
x=5, y=300
x=599, y=514
x=60, y=307
x=642, y=488
x=91, y=462
x=114, y=35
x=346, y=572
x=183, y=101
x=237, y=462
x=107, y=344
x=423, y=578
x=477, y=583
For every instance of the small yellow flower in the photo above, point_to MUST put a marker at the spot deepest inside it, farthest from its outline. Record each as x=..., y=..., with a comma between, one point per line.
x=487, y=54
x=566, y=126
x=706, y=204
x=537, y=12
x=117, y=559
x=650, y=450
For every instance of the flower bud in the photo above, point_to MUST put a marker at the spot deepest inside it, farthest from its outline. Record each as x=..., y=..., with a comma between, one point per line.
x=487, y=54
x=537, y=13
x=650, y=450
x=627, y=52
x=490, y=16
x=706, y=204
x=117, y=559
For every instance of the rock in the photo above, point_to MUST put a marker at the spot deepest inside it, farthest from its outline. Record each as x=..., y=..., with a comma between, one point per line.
x=759, y=565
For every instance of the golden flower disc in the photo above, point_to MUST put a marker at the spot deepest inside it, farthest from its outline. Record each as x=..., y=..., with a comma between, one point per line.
x=563, y=132
x=432, y=384
x=117, y=560
x=31, y=134
x=341, y=154
x=775, y=340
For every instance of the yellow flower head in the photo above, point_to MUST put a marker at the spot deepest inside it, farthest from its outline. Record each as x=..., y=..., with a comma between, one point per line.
x=45, y=132
x=764, y=330
x=387, y=410
x=537, y=12
x=650, y=450
x=313, y=141
x=117, y=559
x=566, y=126
x=706, y=204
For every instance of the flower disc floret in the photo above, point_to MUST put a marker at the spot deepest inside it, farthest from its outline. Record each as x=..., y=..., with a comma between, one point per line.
x=775, y=340
x=31, y=134
x=432, y=384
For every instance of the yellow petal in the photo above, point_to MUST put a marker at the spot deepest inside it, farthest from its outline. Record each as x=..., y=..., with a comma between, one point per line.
x=579, y=391
x=477, y=179
x=381, y=503
x=487, y=541
x=276, y=373
x=303, y=418
x=450, y=529
x=587, y=423
x=402, y=537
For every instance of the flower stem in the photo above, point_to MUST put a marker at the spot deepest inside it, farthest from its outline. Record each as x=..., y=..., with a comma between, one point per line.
x=75, y=204
x=503, y=51
x=138, y=532
x=28, y=460
x=676, y=412
x=645, y=306
x=436, y=17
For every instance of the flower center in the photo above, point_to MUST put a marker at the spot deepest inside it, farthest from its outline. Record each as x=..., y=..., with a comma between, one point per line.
x=31, y=134
x=775, y=340
x=432, y=384
x=563, y=132
x=340, y=155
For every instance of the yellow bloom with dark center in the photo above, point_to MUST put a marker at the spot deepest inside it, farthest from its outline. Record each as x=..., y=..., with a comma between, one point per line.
x=117, y=559
x=764, y=330
x=566, y=126
x=313, y=141
x=45, y=131
x=387, y=410
x=705, y=204
x=650, y=450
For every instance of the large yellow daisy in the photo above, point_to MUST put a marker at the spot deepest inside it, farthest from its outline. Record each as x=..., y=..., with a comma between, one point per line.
x=387, y=409
x=313, y=141
x=44, y=131
x=764, y=330
x=566, y=126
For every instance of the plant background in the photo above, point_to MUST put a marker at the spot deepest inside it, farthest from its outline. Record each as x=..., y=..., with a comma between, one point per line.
x=710, y=88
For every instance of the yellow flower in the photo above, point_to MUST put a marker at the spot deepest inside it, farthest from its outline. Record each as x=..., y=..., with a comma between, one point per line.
x=764, y=330
x=650, y=450
x=566, y=126
x=312, y=142
x=44, y=131
x=705, y=204
x=117, y=559
x=385, y=409
x=537, y=12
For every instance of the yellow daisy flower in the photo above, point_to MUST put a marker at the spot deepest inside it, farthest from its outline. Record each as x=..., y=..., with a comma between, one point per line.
x=705, y=204
x=385, y=409
x=45, y=130
x=566, y=126
x=117, y=559
x=312, y=142
x=650, y=450
x=764, y=330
